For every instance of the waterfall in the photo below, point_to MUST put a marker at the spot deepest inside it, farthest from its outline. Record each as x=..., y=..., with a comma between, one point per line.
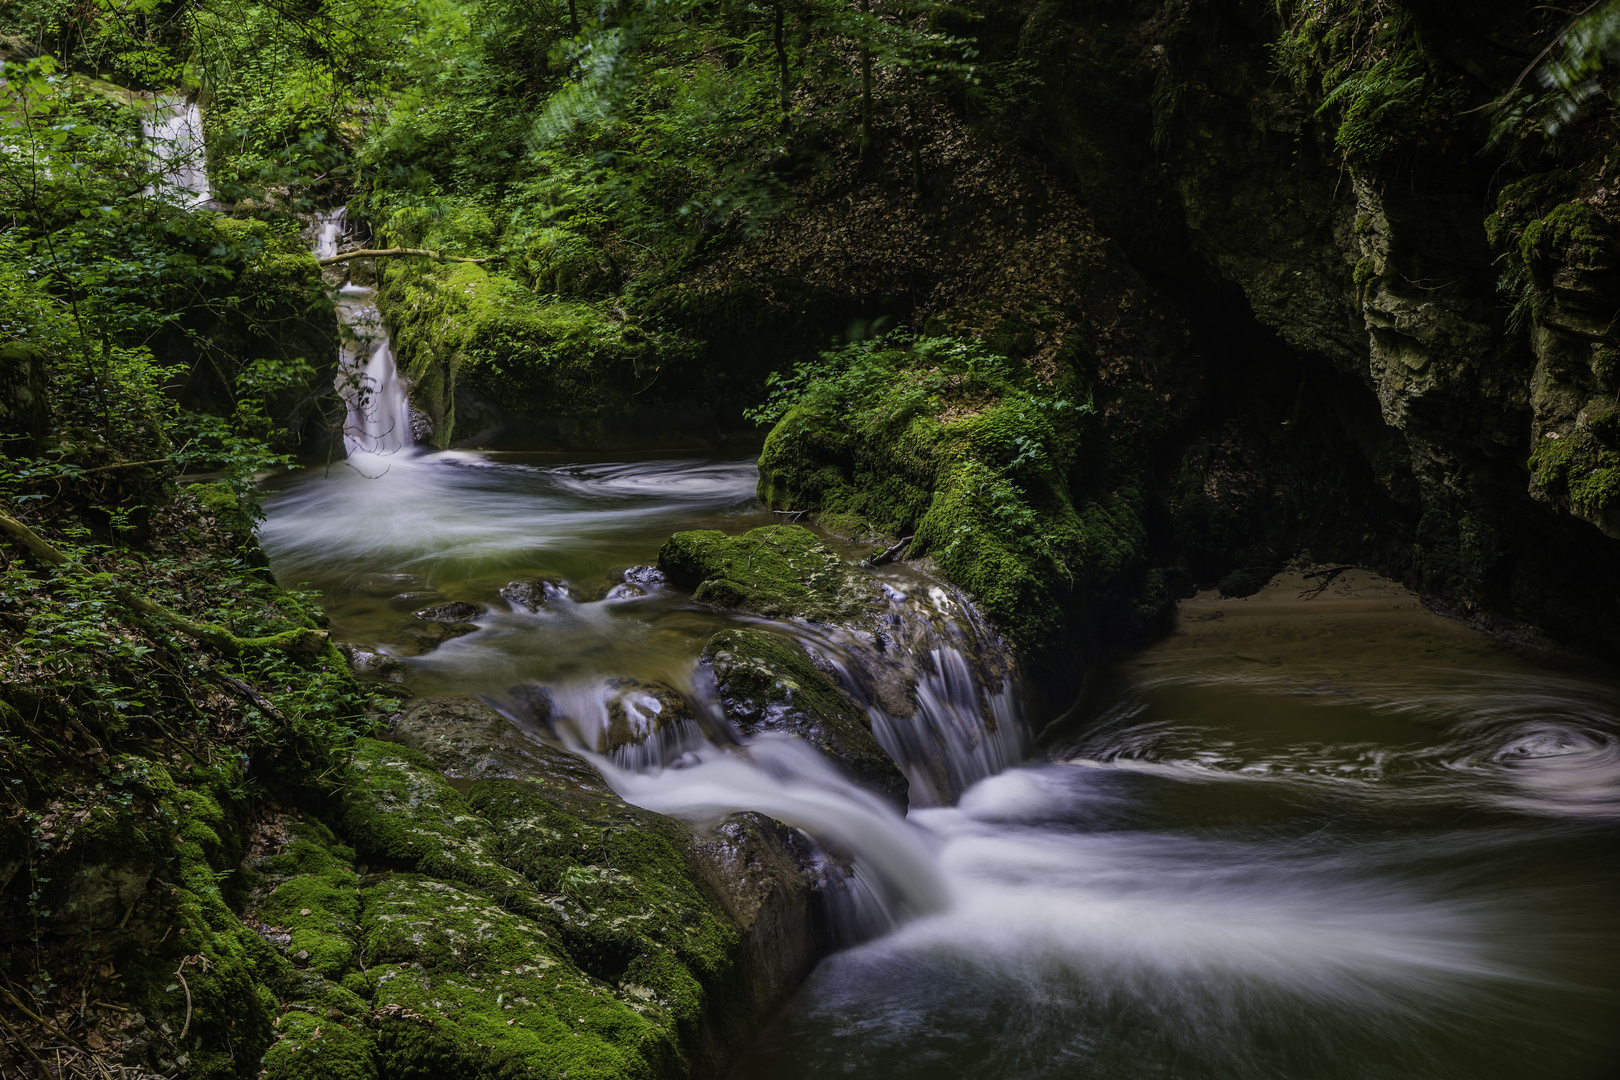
x=174, y=132
x=937, y=681
x=377, y=426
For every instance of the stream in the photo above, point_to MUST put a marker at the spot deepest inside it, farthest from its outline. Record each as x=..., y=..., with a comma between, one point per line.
x=1345, y=840
x=1379, y=846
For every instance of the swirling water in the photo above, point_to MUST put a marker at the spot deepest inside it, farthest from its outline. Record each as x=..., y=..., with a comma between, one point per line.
x=1370, y=844
x=1358, y=843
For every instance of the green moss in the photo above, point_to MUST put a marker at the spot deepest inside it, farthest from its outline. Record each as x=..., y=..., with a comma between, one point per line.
x=768, y=683
x=403, y=813
x=983, y=465
x=1581, y=470
x=311, y=1047
x=1368, y=63
x=1521, y=202
x=777, y=570
x=466, y=989
x=1570, y=234
x=464, y=325
x=1364, y=275
x=318, y=901
x=624, y=897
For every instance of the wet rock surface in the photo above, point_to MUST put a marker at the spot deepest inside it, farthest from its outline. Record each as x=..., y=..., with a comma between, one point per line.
x=532, y=594
x=455, y=612
x=768, y=683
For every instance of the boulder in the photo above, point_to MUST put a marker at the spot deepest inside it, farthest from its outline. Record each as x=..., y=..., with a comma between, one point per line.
x=532, y=594
x=776, y=571
x=767, y=682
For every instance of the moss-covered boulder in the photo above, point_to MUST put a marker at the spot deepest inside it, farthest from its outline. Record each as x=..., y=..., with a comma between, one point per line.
x=769, y=683
x=464, y=328
x=465, y=988
x=403, y=813
x=983, y=464
x=717, y=930
x=776, y=571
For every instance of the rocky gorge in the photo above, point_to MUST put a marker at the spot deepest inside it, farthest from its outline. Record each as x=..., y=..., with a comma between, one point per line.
x=726, y=462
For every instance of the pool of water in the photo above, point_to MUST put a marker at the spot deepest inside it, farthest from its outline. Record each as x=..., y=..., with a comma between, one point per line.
x=1350, y=840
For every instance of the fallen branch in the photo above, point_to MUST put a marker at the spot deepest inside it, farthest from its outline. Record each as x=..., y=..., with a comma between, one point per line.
x=889, y=554
x=396, y=253
x=302, y=639
x=1324, y=578
x=180, y=973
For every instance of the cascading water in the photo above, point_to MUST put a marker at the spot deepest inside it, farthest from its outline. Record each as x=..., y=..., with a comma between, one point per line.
x=377, y=424
x=173, y=129
x=462, y=526
x=1310, y=856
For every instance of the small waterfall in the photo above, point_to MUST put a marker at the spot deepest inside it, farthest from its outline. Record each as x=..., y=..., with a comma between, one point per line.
x=174, y=131
x=378, y=422
x=785, y=779
x=937, y=681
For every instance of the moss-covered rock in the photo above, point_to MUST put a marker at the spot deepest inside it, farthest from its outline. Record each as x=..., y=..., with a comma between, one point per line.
x=769, y=683
x=714, y=930
x=979, y=463
x=465, y=328
x=776, y=571
x=465, y=988
x=403, y=813
x=1580, y=470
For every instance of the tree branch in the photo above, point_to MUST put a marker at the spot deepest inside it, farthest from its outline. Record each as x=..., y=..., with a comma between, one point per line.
x=392, y=253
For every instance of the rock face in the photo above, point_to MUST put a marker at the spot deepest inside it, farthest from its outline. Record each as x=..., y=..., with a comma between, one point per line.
x=768, y=683
x=1403, y=380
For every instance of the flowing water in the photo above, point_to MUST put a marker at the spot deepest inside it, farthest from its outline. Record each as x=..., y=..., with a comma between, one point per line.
x=1343, y=840
x=173, y=130
x=1348, y=841
x=1363, y=843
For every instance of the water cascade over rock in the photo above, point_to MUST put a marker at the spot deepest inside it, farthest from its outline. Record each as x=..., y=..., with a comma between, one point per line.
x=377, y=426
x=173, y=130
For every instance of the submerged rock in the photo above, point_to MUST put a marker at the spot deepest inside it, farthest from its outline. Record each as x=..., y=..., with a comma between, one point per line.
x=374, y=665
x=775, y=571
x=533, y=594
x=387, y=585
x=769, y=683
x=457, y=611
x=410, y=601
x=640, y=712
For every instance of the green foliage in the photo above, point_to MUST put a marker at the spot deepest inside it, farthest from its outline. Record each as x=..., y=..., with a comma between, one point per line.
x=1368, y=66
x=1574, y=74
